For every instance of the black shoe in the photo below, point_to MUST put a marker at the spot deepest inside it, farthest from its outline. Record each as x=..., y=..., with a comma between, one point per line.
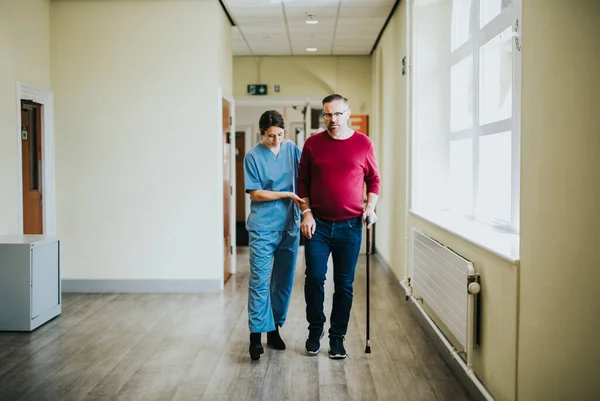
x=274, y=340
x=256, y=348
x=336, y=348
x=313, y=342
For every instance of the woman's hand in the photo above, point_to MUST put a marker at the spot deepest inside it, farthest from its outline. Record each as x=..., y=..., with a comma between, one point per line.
x=297, y=200
x=308, y=225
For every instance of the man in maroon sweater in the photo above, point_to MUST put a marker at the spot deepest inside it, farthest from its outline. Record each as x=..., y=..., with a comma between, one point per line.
x=334, y=167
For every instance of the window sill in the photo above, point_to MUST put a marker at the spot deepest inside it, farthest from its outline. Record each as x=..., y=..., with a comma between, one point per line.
x=503, y=244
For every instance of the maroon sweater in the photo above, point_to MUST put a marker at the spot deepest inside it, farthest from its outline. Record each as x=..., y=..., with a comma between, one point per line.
x=333, y=172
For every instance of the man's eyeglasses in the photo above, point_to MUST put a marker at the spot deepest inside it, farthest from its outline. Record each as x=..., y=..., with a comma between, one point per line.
x=328, y=116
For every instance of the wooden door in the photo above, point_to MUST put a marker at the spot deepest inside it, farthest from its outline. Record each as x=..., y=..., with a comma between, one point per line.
x=360, y=123
x=240, y=191
x=31, y=154
x=226, y=189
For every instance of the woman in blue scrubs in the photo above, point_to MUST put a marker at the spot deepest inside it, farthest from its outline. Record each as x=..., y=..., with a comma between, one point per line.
x=270, y=172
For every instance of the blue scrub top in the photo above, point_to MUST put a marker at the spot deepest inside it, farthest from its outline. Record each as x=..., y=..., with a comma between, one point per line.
x=265, y=170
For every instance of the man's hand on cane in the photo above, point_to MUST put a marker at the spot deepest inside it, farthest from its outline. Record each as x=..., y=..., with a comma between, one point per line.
x=369, y=212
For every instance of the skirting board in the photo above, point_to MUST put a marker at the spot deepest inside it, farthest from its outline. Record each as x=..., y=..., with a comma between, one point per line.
x=142, y=286
x=432, y=335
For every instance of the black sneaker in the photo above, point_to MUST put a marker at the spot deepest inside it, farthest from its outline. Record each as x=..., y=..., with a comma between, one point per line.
x=336, y=348
x=256, y=348
x=274, y=339
x=313, y=342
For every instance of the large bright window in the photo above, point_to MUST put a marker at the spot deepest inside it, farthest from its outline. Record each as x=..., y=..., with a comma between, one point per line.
x=466, y=110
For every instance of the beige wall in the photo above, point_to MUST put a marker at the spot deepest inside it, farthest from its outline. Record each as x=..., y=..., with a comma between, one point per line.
x=559, y=324
x=137, y=135
x=390, y=141
x=224, y=49
x=312, y=77
x=24, y=57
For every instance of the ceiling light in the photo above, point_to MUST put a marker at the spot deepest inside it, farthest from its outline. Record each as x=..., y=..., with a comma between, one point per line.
x=311, y=49
x=311, y=19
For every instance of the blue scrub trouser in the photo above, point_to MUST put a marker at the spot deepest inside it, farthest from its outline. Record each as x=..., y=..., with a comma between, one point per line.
x=272, y=266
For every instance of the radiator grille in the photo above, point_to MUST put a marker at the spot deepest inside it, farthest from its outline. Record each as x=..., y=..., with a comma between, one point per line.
x=439, y=276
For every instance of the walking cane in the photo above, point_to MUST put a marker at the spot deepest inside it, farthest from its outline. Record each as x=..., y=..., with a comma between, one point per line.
x=368, y=346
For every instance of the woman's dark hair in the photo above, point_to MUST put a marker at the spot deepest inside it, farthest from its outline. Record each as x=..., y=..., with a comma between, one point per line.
x=270, y=118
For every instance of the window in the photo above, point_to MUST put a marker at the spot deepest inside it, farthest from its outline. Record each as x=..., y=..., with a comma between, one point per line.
x=466, y=116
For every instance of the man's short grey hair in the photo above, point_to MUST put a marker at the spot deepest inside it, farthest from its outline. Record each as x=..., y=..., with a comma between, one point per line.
x=333, y=98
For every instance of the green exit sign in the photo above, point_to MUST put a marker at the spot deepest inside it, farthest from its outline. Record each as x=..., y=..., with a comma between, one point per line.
x=257, y=89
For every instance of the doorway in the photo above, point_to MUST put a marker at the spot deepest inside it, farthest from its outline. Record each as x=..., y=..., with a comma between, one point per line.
x=240, y=193
x=35, y=155
x=32, y=167
x=36, y=203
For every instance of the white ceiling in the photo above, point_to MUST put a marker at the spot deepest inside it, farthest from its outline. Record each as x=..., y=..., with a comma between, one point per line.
x=278, y=27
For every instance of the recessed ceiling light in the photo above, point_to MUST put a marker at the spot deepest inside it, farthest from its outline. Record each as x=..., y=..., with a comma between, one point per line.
x=311, y=19
x=311, y=49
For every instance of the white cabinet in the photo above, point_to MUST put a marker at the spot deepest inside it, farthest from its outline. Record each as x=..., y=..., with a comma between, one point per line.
x=29, y=281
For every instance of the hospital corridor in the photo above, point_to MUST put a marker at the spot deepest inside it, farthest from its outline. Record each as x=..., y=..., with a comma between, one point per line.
x=299, y=200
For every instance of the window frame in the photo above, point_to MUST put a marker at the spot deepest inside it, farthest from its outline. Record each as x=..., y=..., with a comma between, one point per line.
x=478, y=38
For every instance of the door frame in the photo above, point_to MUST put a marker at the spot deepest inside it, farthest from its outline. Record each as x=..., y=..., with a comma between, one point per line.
x=248, y=145
x=223, y=95
x=46, y=99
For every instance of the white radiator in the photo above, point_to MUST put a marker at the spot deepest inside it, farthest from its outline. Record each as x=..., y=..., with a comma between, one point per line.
x=447, y=283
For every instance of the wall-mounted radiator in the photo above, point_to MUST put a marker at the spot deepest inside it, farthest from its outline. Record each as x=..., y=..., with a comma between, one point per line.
x=447, y=283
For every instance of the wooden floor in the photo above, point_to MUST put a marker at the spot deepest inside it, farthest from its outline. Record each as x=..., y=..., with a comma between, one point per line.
x=194, y=347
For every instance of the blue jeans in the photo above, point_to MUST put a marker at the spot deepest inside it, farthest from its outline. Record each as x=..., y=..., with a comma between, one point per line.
x=272, y=266
x=342, y=240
